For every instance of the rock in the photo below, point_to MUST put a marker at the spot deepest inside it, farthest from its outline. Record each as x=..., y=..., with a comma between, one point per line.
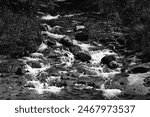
x=35, y=64
x=66, y=41
x=107, y=59
x=113, y=65
x=74, y=49
x=19, y=71
x=105, y=69
x=51, y=43
x=83, y=57
x=82, y=36
x=147, y=82
x=139, y=69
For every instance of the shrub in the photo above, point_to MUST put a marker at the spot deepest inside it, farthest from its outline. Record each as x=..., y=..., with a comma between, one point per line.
x=18, y=33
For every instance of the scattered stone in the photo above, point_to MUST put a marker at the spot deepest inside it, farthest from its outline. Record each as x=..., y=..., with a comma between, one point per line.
x=84, y=57
x=82, y=36
x=66, y=41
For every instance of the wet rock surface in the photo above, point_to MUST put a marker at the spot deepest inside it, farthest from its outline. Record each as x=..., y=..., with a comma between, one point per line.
x=82, y=36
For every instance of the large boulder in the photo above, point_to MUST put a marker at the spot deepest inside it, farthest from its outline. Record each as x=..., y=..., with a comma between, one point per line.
x=107, y=59
x=84, y=57
x=82, y=36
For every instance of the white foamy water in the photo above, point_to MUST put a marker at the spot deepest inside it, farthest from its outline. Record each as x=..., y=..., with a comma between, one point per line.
x=109, y=93
x=49, y=17
x=42, y=47
x=98, y=55
x=83, y=46
x=52, y=35
x=40, y=88
x=35, y=71
x=67, y=58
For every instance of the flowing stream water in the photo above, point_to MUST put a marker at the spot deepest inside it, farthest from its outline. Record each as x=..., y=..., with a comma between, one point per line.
x=62, y=76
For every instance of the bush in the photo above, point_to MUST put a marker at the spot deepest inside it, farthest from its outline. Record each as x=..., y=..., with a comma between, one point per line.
x=18, y=33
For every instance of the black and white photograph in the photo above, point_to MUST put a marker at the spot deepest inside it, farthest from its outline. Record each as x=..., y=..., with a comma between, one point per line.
x=74, y=49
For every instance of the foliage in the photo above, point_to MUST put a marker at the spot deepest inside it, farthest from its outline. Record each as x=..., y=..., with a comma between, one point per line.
x=18, y=33
x=19, y=25
x=134, y=14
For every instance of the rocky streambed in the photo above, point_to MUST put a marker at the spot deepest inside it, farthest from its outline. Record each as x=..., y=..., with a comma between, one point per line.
x=81, y=57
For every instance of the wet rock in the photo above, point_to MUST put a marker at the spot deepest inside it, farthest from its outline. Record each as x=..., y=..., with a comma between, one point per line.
x=113, y=65
x=19, y=71
x=35, y=64
x=107, y=59
x=84, y=57
x=147, y=82
x=139, y=69
x=51, y=43
x=74, y=49
x=106, y=69
x=66, y=41
x=82, y=36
